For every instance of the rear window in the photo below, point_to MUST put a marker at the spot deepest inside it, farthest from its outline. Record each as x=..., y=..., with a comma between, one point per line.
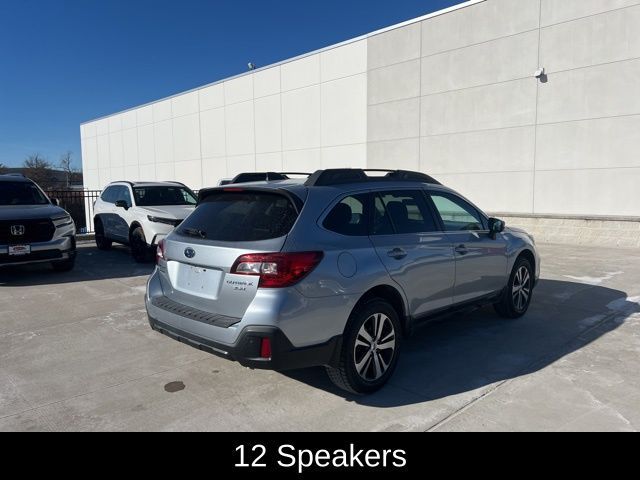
x=241, y=217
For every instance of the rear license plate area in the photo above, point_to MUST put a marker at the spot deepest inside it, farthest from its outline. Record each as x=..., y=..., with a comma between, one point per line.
x=198, y=281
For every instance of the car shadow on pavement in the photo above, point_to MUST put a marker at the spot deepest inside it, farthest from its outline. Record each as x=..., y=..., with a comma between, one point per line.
x=91, y=264
x=470, y=351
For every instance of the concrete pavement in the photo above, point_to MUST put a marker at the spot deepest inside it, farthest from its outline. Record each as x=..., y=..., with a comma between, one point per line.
x=76, y=353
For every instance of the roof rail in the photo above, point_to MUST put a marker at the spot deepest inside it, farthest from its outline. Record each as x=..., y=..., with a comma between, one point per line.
x=247, y=177
x=177, y=183
x=340, y=176
x=123, y=181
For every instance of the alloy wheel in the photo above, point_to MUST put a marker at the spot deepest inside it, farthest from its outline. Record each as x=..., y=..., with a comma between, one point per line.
x=521, y=289
x=375, y=347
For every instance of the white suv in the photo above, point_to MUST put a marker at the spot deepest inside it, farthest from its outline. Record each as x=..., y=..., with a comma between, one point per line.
x=140, y=214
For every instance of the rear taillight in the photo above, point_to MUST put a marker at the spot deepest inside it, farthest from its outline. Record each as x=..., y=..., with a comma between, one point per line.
x=277, y=270
x=160, y=253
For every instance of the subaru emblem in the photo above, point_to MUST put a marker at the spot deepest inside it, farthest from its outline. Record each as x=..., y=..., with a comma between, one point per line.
x=189, y=253
x=17, y=230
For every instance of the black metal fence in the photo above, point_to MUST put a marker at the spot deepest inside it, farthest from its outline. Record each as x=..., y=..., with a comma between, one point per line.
x=79, y=204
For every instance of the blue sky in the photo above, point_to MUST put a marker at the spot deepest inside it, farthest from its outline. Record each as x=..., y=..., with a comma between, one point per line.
x=63, y=62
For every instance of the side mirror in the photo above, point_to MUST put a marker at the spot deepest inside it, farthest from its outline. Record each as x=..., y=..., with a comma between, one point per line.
x=122, y=204
x=55, y=201
x=496, y=226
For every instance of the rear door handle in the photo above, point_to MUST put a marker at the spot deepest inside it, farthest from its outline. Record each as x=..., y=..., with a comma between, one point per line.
x=397, y=253
x=462, y=249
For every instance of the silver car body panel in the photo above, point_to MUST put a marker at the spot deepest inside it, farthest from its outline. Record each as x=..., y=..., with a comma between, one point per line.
x=431, y=277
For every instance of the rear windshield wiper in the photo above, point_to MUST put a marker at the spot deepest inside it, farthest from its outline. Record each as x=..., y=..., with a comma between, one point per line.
x=194, y=232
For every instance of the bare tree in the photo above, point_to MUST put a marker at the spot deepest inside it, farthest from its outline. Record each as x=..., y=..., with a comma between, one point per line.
x=36, y=162
x=65, y=165
x=38, y=169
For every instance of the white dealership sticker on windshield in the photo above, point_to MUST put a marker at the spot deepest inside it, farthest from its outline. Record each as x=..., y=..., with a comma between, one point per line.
x=17, y=250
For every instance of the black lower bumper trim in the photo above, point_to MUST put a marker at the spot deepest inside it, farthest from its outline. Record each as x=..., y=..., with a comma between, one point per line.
x=176, y=308
x=246, y=351
x=38, y=256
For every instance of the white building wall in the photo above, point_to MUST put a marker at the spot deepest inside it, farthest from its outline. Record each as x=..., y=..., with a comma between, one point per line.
x=452, y=94
x=300, y=116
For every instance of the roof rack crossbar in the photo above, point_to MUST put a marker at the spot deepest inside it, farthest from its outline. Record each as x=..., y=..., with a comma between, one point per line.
x=340, y=176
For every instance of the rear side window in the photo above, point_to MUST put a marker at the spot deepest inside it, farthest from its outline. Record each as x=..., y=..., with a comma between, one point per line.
x=457, y=215
x=241, y=217
x=349, y=216
x=402, y=212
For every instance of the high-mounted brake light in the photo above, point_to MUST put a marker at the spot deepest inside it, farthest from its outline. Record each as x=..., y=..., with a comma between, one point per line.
x=277, y=270
x=233, y=189
x=160, y=252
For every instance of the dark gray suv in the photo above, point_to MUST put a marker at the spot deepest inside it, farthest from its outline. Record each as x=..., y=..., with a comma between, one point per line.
x=333, y=271
x=33, y=229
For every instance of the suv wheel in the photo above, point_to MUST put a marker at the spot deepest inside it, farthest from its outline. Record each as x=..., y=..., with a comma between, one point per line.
x=102, y=242
x=370, y=349
x=139, y=248
x=517, y=296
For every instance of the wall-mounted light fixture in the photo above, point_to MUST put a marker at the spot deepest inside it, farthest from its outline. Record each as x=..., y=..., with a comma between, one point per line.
x=541, y=74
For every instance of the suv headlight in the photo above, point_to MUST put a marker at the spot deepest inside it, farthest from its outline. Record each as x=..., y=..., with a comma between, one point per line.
x=166, y=221
x=63, y=221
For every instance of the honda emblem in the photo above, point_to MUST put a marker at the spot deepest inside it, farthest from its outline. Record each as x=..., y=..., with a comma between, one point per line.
x=17, y=230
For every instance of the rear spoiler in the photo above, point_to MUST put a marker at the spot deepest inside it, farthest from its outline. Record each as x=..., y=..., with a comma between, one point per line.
x=205, y=193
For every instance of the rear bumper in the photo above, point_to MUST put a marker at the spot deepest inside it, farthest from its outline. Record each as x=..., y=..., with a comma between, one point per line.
x=246, y=350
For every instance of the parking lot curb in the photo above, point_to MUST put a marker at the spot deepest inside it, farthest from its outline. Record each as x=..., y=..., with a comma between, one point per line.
x=88, y=237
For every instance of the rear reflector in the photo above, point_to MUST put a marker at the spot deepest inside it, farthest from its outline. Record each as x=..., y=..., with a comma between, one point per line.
x=277, y=270
x=265, y=348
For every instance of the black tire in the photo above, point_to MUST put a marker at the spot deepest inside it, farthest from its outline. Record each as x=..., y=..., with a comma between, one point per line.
x=346, y=375
x=140, y=250
x=102, y=242
x=517, y=296
x=64, y=266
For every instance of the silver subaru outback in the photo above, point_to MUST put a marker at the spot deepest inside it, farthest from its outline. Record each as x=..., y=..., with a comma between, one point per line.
x=333, y=271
